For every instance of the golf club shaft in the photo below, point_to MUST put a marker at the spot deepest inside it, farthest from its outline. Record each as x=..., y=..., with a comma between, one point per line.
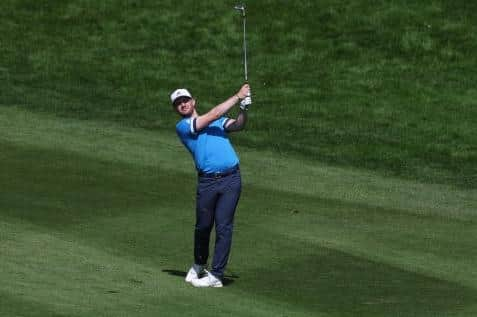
x=245, y=48
x=241, y=8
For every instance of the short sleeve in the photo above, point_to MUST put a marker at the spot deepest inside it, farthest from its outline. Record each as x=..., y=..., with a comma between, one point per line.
x=223, y=122
x=186, y=127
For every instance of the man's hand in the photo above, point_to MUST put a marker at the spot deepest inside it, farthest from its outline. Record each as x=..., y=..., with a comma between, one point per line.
x=245, y=95
x=244, y=91
x=245, y=103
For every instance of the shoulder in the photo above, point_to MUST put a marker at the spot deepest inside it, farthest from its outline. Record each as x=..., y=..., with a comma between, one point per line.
x=183, y=122
x=185, y=126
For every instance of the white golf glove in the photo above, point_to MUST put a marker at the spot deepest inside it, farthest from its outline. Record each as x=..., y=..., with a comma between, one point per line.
x=247, y=101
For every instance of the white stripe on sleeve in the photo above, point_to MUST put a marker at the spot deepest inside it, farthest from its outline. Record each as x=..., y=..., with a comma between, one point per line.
x=225, y=123
x=192, y=126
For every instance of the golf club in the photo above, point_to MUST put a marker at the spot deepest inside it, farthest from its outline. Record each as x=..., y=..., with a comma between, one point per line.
x=241, y=8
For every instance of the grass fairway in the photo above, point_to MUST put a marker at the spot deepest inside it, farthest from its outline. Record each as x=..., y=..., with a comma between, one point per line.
x=96, y=220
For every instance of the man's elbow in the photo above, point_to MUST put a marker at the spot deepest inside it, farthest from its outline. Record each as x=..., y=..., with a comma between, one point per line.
x=235, y=127
x=241, y=124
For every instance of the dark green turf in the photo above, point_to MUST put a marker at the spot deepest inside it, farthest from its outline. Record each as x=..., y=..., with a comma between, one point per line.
x=376, y=85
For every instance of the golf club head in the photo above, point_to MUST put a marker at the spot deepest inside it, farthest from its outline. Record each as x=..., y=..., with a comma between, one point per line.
x=241, y=8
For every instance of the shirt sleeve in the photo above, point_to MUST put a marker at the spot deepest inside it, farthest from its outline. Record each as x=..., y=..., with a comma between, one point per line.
x=186, y=128
x=223, y=122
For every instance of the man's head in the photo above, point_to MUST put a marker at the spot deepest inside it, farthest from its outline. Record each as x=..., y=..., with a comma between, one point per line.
x=183, y=102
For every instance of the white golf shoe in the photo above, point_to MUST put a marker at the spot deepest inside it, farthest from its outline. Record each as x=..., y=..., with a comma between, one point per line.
x=195, y=272
x=207, y=281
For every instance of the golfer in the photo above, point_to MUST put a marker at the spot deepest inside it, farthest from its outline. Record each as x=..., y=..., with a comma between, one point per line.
x=219, y=182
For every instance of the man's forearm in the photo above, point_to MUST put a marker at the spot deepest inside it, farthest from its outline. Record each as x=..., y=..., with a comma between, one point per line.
x=224, y=107
x=216, y=112
x=239, y=123
x=221, y=109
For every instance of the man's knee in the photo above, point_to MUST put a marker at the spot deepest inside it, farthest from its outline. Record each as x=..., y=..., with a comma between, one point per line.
x=203, y=228
x=224, y=229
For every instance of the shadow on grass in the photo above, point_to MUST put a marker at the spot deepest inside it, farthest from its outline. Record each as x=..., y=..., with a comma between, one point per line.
x=334, y=282
x=228, y=279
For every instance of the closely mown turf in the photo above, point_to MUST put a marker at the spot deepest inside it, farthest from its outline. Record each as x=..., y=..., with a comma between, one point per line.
x=372, y=84
x=96, y=220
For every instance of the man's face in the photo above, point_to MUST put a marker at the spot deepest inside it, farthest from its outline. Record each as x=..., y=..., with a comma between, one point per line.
x=184, y=106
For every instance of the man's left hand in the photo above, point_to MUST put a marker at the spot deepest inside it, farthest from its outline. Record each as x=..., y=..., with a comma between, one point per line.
x=246, y=102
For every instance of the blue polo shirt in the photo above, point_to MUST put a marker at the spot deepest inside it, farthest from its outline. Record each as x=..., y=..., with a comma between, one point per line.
x=210, y=147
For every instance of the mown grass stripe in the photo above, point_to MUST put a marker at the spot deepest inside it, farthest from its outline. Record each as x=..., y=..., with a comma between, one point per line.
x=51, y=272
x=119, y=208
x=265, y=169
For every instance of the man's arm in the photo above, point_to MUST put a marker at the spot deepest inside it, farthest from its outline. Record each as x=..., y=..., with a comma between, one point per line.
x=238, y=124
x=221, y=109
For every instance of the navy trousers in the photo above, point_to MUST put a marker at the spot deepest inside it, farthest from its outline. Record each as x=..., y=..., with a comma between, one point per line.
x=217, y=198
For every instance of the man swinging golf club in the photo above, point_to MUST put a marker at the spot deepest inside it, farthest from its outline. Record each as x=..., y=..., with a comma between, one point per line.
x=219, y=184
x=217, y=164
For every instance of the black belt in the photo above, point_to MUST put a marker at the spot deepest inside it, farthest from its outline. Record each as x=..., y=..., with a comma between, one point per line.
x=227, y=172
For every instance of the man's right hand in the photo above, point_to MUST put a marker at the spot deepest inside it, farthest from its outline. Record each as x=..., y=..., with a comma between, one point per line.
x=244, y=91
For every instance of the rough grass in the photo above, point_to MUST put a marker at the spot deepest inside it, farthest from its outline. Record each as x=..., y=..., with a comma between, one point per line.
x=370, y=84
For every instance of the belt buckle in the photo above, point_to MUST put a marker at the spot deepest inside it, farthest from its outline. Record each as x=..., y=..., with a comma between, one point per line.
x=217, y=175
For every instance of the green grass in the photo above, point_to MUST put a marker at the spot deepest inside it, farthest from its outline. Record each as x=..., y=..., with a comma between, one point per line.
x=359, y=162
x=94, y=229
x=370, y=84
